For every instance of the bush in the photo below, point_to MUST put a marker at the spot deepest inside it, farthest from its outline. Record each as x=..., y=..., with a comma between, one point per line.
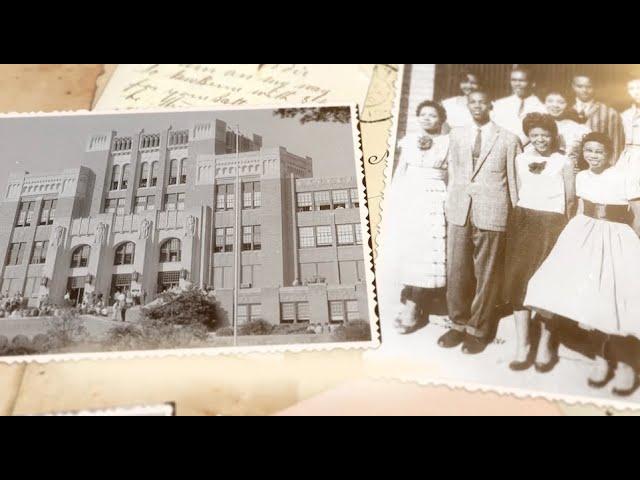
x=225, y=332
x=294, y=329
x=356, y=331
x=66, y=329
x=4, y=344
x=256, y=327
x=188, y=307
x=40, y=343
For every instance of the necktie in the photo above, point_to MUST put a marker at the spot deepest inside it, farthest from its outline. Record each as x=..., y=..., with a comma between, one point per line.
x=477, y=147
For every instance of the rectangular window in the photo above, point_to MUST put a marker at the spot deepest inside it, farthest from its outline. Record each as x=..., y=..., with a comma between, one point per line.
x=345, y=234
x=306, y=237
x=183, y=171
x=144, y=175
x=249, y=312
x=353, y=310
x=229, y=240
x=336, y=311
x=257, y=238
x=230, y=197
x=11, y=286
x=220, y=242
x=305, y=202
x=168, y=280
x=247, y=195
x=25, y=214
x=32, y=287
x=246, y=276
x=324, y=236
x=120, y=207
x=257, y=195
x=110, y=205
x=125, y=176
x=358, y=229
x=170, y=202
x=48, y=212
x=39, y=252
x=151, y=202
x=340, y=198
x=154, y=174
x=323, y=200
x=180, y=204
x=247, y=238
x=173, y=172
x=140, y=204
x=294, y=312
x=355, y=198
x=225, y=198
x=15, y=254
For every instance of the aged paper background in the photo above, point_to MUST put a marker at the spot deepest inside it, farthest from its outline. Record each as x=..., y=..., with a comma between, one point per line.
x=292, y=383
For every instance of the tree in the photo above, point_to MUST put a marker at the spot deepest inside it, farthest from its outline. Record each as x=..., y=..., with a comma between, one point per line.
x=186, y=307
x=316, y=114
x=66, y=329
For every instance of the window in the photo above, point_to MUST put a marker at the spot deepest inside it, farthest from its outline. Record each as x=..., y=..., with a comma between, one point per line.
x=140, y=204
x=225, y=197
x=80, y=256
x=222, y=277
x=11, y=286
x=228, y=246
x=120, y=206
x=174, y=201
x=39, y=252
x=342, y=310
x=168, y=280
x=173, y=172
x=345, y=234
x=183, y=171
x=125, y=176
x=251, y=238
x=305, y=202
x=307, y=238
x=144, y=175
x=220, y=242
x=324, y=236
x=355, y=199
x=249, y=276
x=294, y=312
x=336, y=312
x=358, y=229
x=114, y=205
x=154, y=174
x=120, y=282
x=340, y=198
x=251, y=195
x=25, y=214
x=323, y=200
x=32, y=287
x=249, y=312
x=48, y=212
x=170, y=251
x=115, y=177
x=125, y=254
x=15, y=253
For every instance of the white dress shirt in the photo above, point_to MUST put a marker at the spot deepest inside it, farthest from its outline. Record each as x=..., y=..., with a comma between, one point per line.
x=631, y=123
x=509, y=112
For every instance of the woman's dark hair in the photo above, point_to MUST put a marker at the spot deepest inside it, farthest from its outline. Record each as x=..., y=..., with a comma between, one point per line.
x=465, y=74
x=442, y=113
x=540, y=120
x=569, y=113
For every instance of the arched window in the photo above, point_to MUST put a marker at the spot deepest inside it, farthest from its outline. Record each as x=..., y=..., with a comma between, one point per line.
x=115, y=177
x=170, y=251
x=183, y=170
x=144, y=175
x=125, y=176
x=125, y=254
x=173, y=172
x=80, y=256
x=154, y=174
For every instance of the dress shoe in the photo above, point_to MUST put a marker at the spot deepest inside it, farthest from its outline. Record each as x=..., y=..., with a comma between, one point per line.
x=546, y=367
x=473, y=345
x=625, y=382
x=451, y=339
x=601, y=373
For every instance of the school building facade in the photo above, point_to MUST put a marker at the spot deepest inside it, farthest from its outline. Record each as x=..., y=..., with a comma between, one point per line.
x=148, y=212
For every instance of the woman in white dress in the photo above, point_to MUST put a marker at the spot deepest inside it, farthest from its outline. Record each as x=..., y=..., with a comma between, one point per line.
x=570, y=131
x=457, y=107
x=415, y=239
x=630, y=158
x=591, y=275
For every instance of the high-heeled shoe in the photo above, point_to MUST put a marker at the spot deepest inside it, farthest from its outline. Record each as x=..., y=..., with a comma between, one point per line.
x=548, y=366
x=625, y=391
x=601, y=382
x=519, y=366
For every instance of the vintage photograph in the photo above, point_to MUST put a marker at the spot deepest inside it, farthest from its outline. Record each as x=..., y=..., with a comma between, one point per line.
x=200, y=229
x=510, y=234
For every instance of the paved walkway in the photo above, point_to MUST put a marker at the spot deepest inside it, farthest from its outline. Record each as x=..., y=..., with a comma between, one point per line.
x=490, y=367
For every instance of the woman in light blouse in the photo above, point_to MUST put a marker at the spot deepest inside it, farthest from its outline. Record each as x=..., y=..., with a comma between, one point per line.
x=546, y=199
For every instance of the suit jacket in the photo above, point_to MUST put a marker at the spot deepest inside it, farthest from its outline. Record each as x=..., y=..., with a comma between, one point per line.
x=489, y=191
x=604, y=119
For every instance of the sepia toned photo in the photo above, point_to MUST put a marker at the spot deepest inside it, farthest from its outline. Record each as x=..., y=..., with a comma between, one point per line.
x=197, y=230
x=510, y=236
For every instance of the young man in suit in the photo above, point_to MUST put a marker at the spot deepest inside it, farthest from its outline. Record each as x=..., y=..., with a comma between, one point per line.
x=482, y=190
x=596, y=115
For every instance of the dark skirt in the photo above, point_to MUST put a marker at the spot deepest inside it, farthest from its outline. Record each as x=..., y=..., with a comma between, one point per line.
x=531, y=235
